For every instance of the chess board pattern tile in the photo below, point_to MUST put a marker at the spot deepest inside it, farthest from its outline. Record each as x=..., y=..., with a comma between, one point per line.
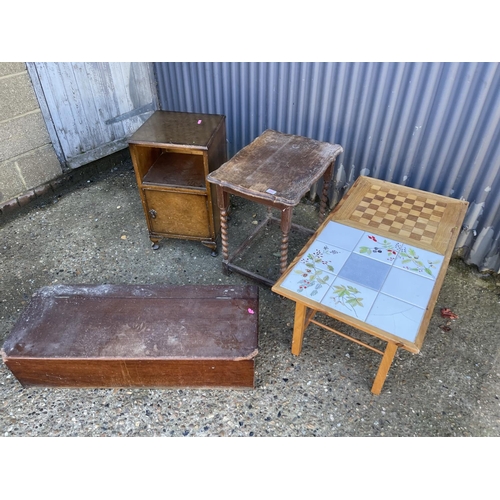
x=410, y=215
x=401, y=213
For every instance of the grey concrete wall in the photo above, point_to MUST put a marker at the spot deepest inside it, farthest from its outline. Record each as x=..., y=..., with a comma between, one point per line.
x=28, y=162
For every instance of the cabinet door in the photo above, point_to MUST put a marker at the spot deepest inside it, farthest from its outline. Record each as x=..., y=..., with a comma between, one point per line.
x=178, y=214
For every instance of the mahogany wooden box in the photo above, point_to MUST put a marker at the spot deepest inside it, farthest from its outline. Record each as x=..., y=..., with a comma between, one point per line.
x=136, y=336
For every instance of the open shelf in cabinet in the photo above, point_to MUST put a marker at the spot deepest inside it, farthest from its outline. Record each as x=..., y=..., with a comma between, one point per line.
x=177, y=170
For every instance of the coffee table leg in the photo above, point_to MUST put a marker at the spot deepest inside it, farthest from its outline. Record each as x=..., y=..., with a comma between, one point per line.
x=286, y=224
x=327, y=177
x=223, y=202
x=385, y=364
x=298, y=328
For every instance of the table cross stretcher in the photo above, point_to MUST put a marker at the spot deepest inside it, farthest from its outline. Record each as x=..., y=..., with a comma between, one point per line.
x=275, y=170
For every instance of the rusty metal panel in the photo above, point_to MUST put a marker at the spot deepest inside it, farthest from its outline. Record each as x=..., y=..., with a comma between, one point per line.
x=91, y=108
x=432, y=126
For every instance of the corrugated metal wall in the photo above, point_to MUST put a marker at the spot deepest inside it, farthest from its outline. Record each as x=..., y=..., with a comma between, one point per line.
x=432, y=126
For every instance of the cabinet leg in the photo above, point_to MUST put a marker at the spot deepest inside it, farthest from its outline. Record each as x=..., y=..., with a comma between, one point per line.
x=212, y=245
x=155, y=243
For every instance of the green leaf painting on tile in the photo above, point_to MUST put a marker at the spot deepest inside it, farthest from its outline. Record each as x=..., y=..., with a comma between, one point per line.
x=411, y=261
x=382, y=246
x=348, y=297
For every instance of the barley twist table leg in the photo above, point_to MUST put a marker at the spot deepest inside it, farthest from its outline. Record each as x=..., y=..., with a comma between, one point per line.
x=286, y=224
x=284, y=253
x=223, y=202
x=223, y=234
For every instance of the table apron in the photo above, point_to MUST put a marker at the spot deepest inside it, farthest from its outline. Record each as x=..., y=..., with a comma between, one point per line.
x=256, y=199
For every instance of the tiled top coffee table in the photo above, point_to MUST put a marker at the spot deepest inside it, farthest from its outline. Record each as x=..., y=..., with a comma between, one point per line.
x=377, y=263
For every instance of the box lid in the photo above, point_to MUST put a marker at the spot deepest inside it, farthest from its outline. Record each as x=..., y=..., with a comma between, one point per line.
x=134, y=321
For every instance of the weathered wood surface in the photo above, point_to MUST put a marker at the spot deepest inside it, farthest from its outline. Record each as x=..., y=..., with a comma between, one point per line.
x=276, y=170
x=91, y=108
x=132, y=335
x=288, y=165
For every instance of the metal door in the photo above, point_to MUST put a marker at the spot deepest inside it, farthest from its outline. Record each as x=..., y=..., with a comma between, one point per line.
x=91, y=109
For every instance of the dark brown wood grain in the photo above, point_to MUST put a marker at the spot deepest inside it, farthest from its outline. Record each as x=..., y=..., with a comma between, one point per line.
x=131, y=335
x=172, y=154
x=275, y=170
x=287, y=164
x=145, y=373
x=171, y=128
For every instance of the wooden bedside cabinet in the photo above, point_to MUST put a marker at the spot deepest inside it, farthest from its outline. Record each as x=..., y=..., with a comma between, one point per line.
x=172, y=154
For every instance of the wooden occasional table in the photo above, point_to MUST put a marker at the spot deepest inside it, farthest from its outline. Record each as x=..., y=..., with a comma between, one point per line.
x=276, y=170
x=377, y=263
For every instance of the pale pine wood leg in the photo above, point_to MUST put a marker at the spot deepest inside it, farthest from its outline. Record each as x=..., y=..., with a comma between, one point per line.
x=298, y=328
x=385, y=364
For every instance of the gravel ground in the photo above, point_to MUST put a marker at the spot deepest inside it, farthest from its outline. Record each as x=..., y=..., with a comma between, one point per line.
x=94, y=231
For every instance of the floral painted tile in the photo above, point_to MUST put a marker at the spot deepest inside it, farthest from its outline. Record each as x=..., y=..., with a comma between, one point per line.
x=365, y=271
x=382, y=282
x=349, y=298
x=339, y=235
x=312, y=275
x=396, y=317
x=419, y=261
x=378, y=247
x=409, y=287
x=322, y=256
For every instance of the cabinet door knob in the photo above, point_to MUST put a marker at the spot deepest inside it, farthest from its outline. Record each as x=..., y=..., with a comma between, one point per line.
x=152, y=213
